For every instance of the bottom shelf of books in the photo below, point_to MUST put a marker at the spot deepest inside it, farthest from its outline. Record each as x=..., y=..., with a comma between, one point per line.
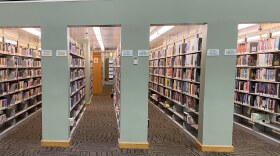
x=22, y=109
x=263, y=122
x=184, y=118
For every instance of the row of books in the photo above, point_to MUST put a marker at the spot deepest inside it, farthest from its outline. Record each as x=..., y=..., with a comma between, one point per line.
x=191, y=103
x=184, y=87
x=263, y=45
x=160, y=53
x=77, y=62
x=18, y=74
x=77, y=97
x=190, y=46
x=3, y=118
x=191, y=88
x=13, y=49
x=76, y=49
x=75, y=85
x=268, y=89
x=76, y=73
x=192, y=74
x=269, y=59
x=263, y=74
x=3, y=103
x=178, y=61
x=259, y=102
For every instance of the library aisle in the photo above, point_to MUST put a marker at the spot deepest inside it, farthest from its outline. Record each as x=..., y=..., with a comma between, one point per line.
x=96, y=135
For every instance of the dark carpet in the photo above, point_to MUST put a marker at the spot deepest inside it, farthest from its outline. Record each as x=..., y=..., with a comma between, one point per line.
x=97, y=135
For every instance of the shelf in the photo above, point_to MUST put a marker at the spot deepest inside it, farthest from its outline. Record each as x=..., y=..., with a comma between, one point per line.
x=21, y=112
x=77, y=102
x=268, y=125
x=76, y=55
x=185, y=80
x=9, y=93
x=190, y=135
x=258, y=94
x=192, y=111
x=266, y=81
x=77, y=90
x=26, y=56
x=79, y=111
x=18, y=79
x=176, y=102
x=31, y=97
x=247, y=105
x=77, y=67
x=273, y=67
x=242, y=116
x=77, y=78
x=254, y=53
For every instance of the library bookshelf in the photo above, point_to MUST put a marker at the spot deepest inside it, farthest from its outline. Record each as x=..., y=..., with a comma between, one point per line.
x=20, y=83
x=175, y=81
x=256, y=95
x=77, y=84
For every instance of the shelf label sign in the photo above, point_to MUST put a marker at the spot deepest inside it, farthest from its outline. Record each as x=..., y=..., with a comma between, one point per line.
x=127, y=52
x=61, y=53
x=213, y=52
x=47, y=53
x=143, y=53
x=230, y=52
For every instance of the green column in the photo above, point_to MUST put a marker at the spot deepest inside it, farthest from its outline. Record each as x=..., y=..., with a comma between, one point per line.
x=55, y=81
x=217, y=89
x=134, y=88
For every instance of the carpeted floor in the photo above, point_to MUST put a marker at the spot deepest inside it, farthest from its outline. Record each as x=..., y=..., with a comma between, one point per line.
x=97, y=135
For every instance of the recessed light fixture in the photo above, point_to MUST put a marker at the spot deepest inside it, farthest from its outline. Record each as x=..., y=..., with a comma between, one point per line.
x=161, y=31
x=243, y=26
x=98, y=35
x=33, y=31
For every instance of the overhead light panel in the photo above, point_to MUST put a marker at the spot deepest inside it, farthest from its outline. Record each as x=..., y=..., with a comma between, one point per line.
x=33, y=31
x=161, y=31
x=243, y=26
x=98, y=35
x=11, y=41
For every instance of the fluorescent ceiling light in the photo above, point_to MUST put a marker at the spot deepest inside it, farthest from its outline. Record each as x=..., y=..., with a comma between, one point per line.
x=257, y=37
x=11, y=41
x=240, y=40
x=276, y=33
x=243, y=26
x=33, y=31
x=98, y=35
x=161, y=31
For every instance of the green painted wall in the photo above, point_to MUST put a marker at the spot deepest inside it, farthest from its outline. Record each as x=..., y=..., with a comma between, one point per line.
x=134, y=84
x=220, y=15
x=55, y=79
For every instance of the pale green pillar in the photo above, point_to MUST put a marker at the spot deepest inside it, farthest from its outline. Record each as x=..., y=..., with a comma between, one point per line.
x=55, y=79
x=217, y=88
x=134, y=88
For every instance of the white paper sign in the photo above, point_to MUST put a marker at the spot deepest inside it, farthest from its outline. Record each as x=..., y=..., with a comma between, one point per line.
x=127, y=53
x=61, y=53
x=213, y=52
x=143, y=53
x=230, y=52
x=95, y=60
x=46, y=52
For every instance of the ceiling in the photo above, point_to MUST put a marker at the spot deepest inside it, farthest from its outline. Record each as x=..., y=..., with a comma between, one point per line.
x=24, y=38
x=110, y=36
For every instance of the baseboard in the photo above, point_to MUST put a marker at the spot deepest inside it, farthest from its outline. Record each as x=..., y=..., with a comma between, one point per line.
x=89, y=101
x=214, y=148
x=56, y=143
x=134, y=145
